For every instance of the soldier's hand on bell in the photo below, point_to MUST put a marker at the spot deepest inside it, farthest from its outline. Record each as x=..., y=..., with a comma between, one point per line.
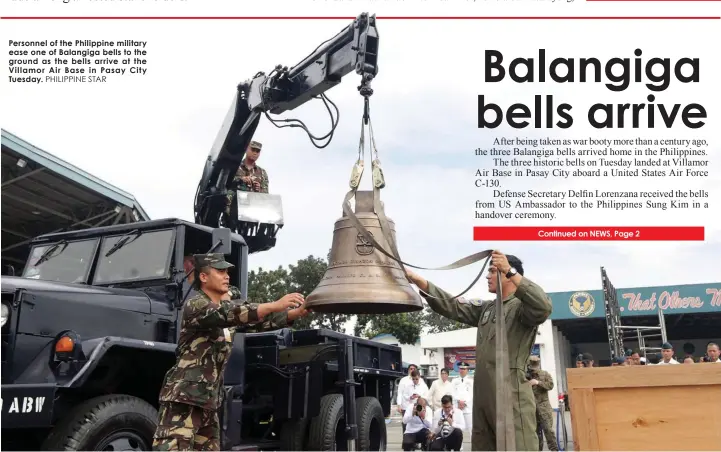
x=412, y=276
x=417, y=279
x=500, y=262
x=300, y=312
x=292, y=301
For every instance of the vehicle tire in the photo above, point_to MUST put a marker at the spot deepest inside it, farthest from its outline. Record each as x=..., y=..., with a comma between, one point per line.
x=371, y=425
x=293, y=434
x=328, y=427
x=111, y=422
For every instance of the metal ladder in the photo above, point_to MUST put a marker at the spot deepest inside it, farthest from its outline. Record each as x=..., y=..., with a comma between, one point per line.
x=617, y=332
x=646, y=332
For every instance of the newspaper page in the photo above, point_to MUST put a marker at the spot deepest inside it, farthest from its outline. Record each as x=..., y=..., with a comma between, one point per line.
x=381, y=174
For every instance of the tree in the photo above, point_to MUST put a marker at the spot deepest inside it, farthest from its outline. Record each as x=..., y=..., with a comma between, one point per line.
x=265, y=286
x=304, y=277
x=406, y=327
x=436, y=323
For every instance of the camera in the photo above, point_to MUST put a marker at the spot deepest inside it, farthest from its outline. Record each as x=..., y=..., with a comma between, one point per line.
x=529, y=373
x=419, y=408
x=446, y=429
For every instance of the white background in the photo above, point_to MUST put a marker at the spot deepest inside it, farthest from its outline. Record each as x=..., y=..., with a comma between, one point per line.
x=150, y=135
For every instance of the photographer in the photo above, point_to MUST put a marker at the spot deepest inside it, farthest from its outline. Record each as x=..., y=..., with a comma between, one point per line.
x=448, y=434
x=410, y=392
x=418, y=426
x=542, y=382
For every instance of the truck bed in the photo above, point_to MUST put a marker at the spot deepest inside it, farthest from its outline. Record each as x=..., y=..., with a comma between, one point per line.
x=286, y=347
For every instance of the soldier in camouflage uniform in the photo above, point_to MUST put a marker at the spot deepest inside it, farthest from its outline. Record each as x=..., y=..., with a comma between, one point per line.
x=273, y=321
x=191, y=394
x=542, y=382
x=250, y=176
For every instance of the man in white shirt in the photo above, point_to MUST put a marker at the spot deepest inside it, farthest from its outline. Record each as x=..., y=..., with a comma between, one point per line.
x=439, y=388
x=667, y=354
x=403, y=382
x=463, y=394
x=712, y=351
x=445, y=437
x=417, y=426
x=409, y=393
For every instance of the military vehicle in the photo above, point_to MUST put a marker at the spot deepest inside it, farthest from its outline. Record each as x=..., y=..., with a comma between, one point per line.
x=89, y=328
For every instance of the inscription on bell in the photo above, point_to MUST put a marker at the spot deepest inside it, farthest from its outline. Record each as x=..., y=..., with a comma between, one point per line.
x=376, y=262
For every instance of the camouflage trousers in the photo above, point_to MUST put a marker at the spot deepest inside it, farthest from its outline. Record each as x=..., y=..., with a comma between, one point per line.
x=186, y=427
x=544, y=426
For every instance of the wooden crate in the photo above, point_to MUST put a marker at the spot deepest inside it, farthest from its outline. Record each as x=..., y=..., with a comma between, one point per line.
x=675, y=407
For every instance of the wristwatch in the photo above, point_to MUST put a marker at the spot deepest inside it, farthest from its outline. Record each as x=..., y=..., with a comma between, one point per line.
x=511, y=273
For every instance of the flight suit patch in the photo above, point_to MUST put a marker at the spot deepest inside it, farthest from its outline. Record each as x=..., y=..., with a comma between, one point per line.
x=485, y=317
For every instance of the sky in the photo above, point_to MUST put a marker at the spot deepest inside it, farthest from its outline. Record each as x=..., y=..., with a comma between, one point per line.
x=150, y=135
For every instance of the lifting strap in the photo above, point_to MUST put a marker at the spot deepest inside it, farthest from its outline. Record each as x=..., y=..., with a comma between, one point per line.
x=505, y=431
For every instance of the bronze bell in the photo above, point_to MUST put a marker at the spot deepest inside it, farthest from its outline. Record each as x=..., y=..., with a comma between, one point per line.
x=360, y=279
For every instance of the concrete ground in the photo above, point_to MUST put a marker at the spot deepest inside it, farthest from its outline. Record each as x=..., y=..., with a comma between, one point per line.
x=395, y=436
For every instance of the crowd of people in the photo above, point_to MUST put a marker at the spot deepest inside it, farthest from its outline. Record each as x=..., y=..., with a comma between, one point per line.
x=437, y=418
x=666, y=357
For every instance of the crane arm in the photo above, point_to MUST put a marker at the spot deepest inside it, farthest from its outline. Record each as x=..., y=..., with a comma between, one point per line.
x=354, y=49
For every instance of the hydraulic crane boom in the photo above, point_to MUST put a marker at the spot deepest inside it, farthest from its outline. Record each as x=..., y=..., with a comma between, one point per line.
x=355, y=48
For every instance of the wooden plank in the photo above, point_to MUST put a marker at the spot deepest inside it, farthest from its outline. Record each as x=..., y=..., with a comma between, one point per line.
x=585, y=435
x=644, y=376
x=646, y=407
x=673, y=418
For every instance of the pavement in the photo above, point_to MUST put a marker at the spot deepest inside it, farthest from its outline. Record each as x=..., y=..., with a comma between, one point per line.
x=395, y=437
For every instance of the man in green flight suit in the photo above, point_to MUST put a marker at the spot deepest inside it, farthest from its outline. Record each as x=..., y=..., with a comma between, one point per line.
x=542, y=382
x=525, y=306
x=191, y=393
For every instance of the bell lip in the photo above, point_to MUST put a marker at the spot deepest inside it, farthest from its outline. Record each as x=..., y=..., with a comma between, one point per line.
x=360, y=308
x=334, y=306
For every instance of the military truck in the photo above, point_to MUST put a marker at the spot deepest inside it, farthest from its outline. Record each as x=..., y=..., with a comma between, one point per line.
x=89, y=331
x=89, y=328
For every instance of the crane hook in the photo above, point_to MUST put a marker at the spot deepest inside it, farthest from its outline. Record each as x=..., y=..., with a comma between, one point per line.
x=366, y=91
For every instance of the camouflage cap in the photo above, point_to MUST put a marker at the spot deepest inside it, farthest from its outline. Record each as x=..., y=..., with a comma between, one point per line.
x=534, y=360
x=213, y=260
x=256, y=145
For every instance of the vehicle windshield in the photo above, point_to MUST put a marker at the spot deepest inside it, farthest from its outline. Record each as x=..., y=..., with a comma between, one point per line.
x=67, y=262
x=143, y=255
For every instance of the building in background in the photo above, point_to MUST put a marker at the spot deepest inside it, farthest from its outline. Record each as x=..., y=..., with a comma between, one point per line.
x=692, y=315
x=42, y=193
